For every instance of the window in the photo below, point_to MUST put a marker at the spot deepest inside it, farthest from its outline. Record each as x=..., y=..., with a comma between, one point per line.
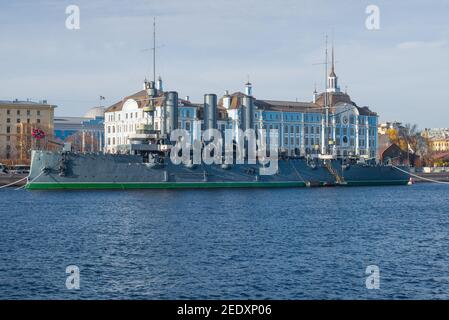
x=28, y=120
x=8, y=120
x=311, y=130
x=18, y=120
x=38, y=120
x=8, y=112
x=188, y=126
x=28, y=112
x=8, y=129
x=38, y=112
x=18, y=112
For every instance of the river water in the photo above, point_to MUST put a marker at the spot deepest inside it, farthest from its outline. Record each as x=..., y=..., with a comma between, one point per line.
x=226, y=244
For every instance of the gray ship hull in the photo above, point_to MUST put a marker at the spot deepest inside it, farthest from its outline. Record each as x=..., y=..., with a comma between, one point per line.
x=59, y=170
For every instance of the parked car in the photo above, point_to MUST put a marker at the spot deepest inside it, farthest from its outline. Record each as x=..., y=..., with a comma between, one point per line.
x=21, y=169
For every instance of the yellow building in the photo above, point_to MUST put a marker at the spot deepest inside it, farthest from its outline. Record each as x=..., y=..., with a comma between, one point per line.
x=438, y=139
x=439, y=144
x=17, y=120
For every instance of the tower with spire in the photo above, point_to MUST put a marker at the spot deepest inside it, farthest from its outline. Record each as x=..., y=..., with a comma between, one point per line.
x=332, y=79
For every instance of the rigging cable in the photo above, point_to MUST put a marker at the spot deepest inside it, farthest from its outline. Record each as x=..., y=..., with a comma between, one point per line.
x=419, y=177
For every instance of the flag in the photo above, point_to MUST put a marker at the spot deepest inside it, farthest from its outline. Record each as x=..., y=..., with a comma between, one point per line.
x=38, y=134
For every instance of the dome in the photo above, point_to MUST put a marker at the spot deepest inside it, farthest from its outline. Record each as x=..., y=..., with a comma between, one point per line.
x=95, y=112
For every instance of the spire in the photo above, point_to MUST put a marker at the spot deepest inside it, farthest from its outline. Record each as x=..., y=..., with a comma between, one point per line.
x=332, y=79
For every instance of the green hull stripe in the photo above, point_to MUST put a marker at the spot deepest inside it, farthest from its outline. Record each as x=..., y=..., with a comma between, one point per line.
x=192, y=185
x=161, y=185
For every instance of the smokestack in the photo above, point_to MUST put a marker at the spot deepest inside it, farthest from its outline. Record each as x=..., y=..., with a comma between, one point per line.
x=172, y=111
x=159, y=86
x=248, y=112
x=210, y=111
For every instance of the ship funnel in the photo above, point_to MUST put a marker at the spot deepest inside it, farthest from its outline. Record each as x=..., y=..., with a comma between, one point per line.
x=247, y=112
x=172, y=111
x=210, y=111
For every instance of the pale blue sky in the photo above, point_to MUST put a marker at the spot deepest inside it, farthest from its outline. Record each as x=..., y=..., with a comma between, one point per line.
x=401, y=71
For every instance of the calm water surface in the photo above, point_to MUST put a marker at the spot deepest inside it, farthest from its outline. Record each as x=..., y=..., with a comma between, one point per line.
x=229, y=244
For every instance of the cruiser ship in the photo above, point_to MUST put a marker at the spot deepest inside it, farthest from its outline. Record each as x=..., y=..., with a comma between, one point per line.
x=342, y=155
x=145, y=162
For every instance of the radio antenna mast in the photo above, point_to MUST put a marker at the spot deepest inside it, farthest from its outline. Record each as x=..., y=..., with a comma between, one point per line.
x=154, y=49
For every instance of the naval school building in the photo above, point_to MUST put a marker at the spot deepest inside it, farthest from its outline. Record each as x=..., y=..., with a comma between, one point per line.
x=352, y=129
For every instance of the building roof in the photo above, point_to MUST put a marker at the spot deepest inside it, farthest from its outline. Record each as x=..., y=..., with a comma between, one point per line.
x=297, y=106
x=21, y=103
x=341, y=97
x=286, y=106
x=69, y=120
x=142, y=100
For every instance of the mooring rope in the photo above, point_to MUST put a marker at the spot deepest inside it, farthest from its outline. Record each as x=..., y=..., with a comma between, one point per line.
x=34, y=179
x=418, y=177
x=13, y=183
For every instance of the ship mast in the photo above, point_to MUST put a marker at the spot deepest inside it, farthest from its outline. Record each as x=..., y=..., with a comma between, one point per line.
x=154, y=49
x=325, y=126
